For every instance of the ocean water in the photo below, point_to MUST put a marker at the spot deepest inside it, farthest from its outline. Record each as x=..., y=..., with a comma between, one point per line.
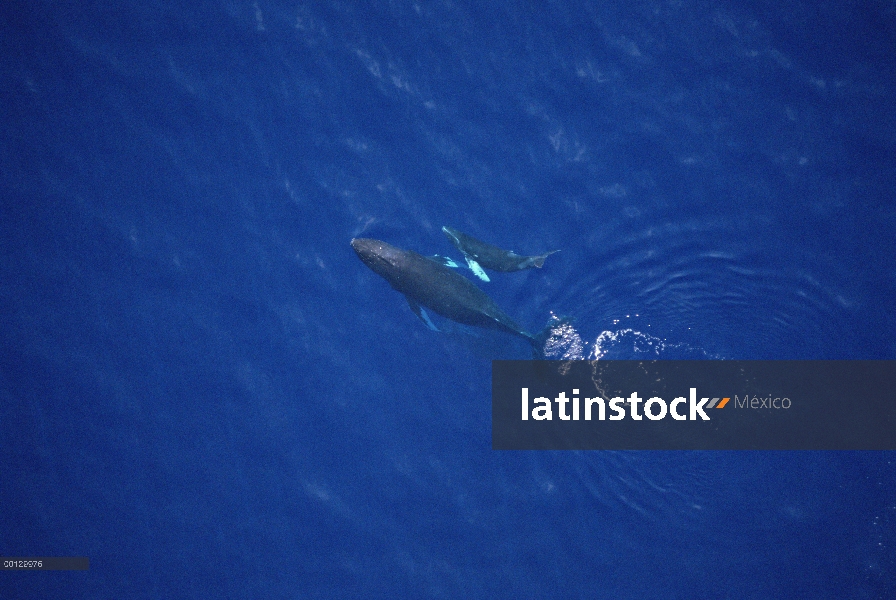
x=204, y=391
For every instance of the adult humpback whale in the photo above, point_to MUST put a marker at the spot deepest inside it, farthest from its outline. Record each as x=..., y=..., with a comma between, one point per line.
x=425, y=282
x=491, y=257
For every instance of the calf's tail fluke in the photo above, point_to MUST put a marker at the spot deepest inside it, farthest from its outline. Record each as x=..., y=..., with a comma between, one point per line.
x=538, y=261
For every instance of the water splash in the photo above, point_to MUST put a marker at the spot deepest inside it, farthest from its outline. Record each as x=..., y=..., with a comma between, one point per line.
x=564, y=342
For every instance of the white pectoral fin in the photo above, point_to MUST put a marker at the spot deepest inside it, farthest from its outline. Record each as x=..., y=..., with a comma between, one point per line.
x=445, y=260
x=427, y=320
x=474, y=266
x=421, y=314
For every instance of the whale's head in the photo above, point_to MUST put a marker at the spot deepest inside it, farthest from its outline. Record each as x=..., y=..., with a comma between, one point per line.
x=453, y=236
x=382, y=258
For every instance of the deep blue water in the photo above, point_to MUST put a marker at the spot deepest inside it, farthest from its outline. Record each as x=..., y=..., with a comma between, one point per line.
x=204, y=391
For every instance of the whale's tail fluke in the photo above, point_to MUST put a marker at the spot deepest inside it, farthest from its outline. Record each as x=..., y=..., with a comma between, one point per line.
x=538, y=261
x=558, y=340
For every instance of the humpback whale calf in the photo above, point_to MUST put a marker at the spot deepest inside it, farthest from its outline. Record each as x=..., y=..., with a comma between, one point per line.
x=427, y=283
x=479, y=254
